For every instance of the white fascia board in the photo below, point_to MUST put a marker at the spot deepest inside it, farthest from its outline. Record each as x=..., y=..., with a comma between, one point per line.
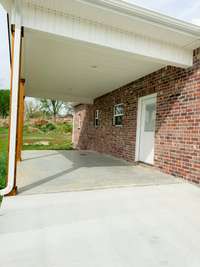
x=128, y=8
x=81, y=29
x=148, y=15
x=59, y=96
x=131, y=17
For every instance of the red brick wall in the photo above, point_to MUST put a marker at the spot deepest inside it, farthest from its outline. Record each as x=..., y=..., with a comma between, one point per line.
x=177, y=139
x=81, y=134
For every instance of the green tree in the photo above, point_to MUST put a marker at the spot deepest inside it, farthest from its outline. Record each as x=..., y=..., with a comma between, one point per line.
x=51, y=107
x=32, y=109
x=4, y=103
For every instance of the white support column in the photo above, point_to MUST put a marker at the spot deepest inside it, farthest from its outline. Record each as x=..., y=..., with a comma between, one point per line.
x=14, y=111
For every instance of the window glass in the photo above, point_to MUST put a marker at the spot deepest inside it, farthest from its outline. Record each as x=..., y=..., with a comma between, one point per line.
x=96, y=121
x=119, y=110
x=118, y=115
x=118, y=120
x=79, y=121
x=150, y=114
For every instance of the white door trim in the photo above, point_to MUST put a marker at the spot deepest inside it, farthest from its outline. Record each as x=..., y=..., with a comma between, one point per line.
x=138, y=124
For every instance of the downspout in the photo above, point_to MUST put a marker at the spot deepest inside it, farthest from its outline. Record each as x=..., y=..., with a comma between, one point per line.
x=15, y=72
x=6, y=190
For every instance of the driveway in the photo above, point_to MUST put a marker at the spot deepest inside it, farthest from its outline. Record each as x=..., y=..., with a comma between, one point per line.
x=150, y=226
x=58, y=171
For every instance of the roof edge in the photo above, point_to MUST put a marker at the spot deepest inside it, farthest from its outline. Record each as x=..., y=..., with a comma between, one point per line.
x=148, y=15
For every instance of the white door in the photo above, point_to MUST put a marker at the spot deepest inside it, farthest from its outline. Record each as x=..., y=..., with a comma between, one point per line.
x=146, y=124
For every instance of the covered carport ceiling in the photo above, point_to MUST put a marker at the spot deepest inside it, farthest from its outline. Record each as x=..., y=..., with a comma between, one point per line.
x=79, y=50
x=62, y=68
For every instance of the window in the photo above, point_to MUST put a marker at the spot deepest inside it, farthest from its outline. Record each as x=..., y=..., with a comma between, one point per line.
x=96, y=120
x=150, y=111
x=118, y=115
x=79, y=121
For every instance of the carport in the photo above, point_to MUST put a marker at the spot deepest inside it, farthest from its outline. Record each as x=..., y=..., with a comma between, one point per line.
x=78, y=50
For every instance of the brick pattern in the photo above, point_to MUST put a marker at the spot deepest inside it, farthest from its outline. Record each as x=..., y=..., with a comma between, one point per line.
x=177, y=136
x=81, y=134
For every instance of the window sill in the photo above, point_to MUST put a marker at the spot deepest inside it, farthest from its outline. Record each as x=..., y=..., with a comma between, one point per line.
x=118, y=126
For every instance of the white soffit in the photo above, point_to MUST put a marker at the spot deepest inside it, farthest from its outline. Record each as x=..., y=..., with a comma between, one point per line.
x=62, y=68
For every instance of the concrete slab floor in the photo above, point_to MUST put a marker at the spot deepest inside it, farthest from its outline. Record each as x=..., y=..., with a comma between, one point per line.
x=57, y=171
x=150, y=226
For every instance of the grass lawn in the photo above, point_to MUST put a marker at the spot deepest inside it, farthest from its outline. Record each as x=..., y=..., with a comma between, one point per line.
x=59, y=138
x=3, y=157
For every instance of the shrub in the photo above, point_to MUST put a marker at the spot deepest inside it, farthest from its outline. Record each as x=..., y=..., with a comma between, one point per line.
x=64, y=127
x=29, y=129
x=40, y=122
x=48, y=127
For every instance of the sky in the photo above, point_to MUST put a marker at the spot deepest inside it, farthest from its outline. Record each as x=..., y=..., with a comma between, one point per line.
x=4, y=52
x=188, y=10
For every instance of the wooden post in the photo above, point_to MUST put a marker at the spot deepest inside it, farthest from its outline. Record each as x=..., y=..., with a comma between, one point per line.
x=20, y=121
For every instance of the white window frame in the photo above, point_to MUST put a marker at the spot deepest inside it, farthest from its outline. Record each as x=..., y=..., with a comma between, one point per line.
x=117, y=115
x=96, y=117
x=79, y=121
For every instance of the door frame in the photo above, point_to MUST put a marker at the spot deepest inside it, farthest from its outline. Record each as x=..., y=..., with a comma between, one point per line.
x=138, y=123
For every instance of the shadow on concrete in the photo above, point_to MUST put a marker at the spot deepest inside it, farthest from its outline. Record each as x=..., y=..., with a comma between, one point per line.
x=79, y=159
x=45, y=180
x=40, y=157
